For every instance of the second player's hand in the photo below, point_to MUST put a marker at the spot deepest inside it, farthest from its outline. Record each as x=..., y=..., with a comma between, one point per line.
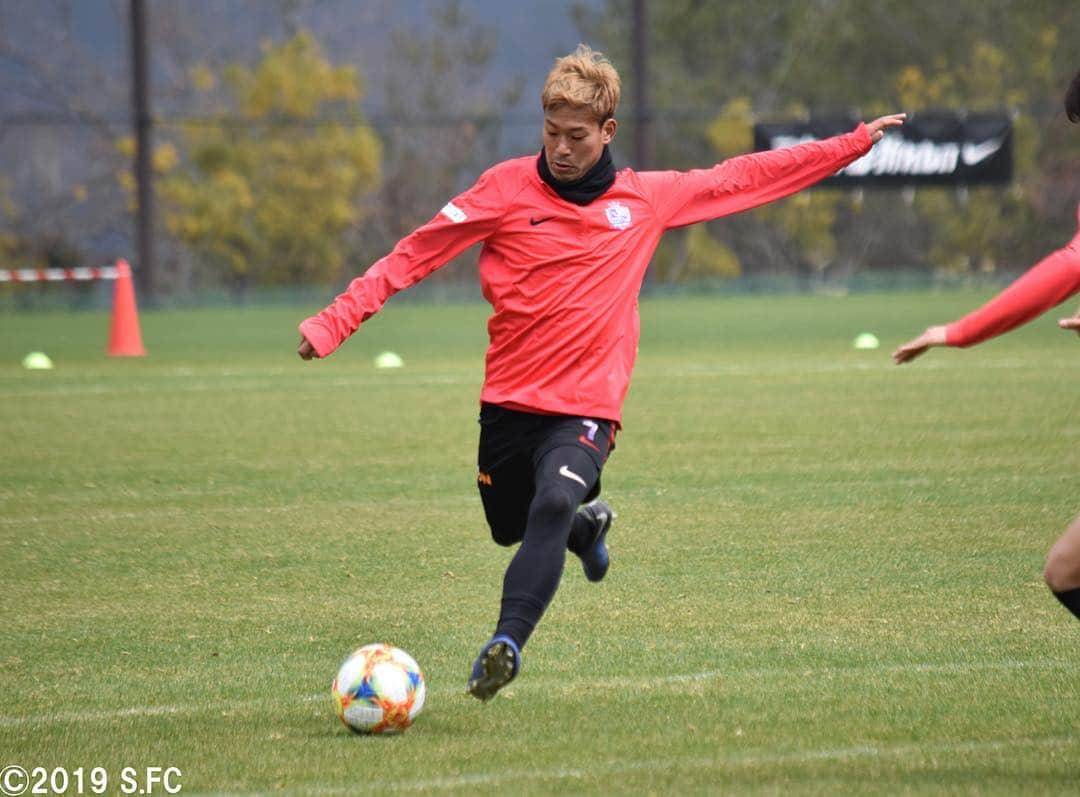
x=1071, y=323
x=878, y=127
x=933, y=336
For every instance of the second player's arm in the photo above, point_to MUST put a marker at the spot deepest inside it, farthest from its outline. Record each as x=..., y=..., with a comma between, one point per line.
x=1045, y=285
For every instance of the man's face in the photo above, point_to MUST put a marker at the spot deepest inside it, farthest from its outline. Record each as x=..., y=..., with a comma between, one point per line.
x=574, y=141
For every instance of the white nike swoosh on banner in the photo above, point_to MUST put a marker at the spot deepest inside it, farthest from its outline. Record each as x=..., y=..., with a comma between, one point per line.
x=977, y=153
x=565, y=471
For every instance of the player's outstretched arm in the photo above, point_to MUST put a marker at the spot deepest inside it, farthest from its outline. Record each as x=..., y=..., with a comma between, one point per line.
x=306, y=350
x=467, y=219
x=1071, y=323
x=877, y=128
x=751, y=180
x=933, y=336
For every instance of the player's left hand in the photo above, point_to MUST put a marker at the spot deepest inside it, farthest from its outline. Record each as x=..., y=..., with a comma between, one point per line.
x=878, y=127
x=933, y=336
x=1071, y=323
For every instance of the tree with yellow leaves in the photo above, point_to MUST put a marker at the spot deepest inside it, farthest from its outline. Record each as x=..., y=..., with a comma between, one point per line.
x=266, y=190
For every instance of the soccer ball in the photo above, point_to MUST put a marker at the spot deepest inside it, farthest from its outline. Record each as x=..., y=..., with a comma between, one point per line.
x=379, y=689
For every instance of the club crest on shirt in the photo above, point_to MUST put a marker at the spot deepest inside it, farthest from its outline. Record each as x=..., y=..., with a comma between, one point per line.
x=618, y=215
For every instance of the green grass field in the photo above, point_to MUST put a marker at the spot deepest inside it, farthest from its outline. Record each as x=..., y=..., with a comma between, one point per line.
x=825, y=579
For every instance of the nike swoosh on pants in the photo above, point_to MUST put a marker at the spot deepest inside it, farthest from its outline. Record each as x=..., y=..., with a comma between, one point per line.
x=565, y=471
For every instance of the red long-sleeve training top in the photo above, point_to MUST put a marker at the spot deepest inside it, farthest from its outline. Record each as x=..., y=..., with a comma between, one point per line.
x=1045, y=285
x=563, y=279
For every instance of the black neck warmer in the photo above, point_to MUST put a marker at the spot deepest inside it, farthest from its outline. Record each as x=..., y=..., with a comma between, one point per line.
x=586, y=188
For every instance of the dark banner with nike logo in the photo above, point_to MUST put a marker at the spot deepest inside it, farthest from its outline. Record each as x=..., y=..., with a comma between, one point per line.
x=930, y=149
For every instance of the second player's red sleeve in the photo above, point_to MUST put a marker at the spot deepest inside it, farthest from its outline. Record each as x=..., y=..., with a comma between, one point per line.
x=1045, y=285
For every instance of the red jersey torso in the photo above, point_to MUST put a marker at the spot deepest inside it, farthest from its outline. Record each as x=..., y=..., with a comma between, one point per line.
x=563, y=281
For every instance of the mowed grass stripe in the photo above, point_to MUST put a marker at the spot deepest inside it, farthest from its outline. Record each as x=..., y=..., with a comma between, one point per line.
x=288, y=379
x=571, y=689
x=719, y=763
x=751, y=760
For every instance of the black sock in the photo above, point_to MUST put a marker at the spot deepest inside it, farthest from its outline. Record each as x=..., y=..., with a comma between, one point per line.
x=1070, y=599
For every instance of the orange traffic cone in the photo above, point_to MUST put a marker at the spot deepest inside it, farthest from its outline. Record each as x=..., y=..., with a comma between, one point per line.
x=125, y=339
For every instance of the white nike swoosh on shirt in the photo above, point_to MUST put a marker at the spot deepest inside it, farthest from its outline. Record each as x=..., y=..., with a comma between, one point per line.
x=977, y=153
x=565, y=471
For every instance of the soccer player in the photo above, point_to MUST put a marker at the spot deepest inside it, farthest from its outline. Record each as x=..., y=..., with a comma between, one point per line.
x=1045, y=285
x=567, y=239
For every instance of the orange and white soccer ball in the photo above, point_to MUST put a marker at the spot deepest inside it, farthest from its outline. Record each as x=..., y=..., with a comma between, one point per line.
x=379, y=689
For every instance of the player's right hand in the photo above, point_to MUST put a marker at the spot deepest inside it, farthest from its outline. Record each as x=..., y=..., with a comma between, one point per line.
x=933, y=336
x=306, y=350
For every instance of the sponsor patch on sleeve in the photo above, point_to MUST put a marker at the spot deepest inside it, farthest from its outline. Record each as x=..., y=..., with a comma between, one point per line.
x=454, y=213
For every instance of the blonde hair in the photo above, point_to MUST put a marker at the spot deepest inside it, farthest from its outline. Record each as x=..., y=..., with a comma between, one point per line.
x=583, y=79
